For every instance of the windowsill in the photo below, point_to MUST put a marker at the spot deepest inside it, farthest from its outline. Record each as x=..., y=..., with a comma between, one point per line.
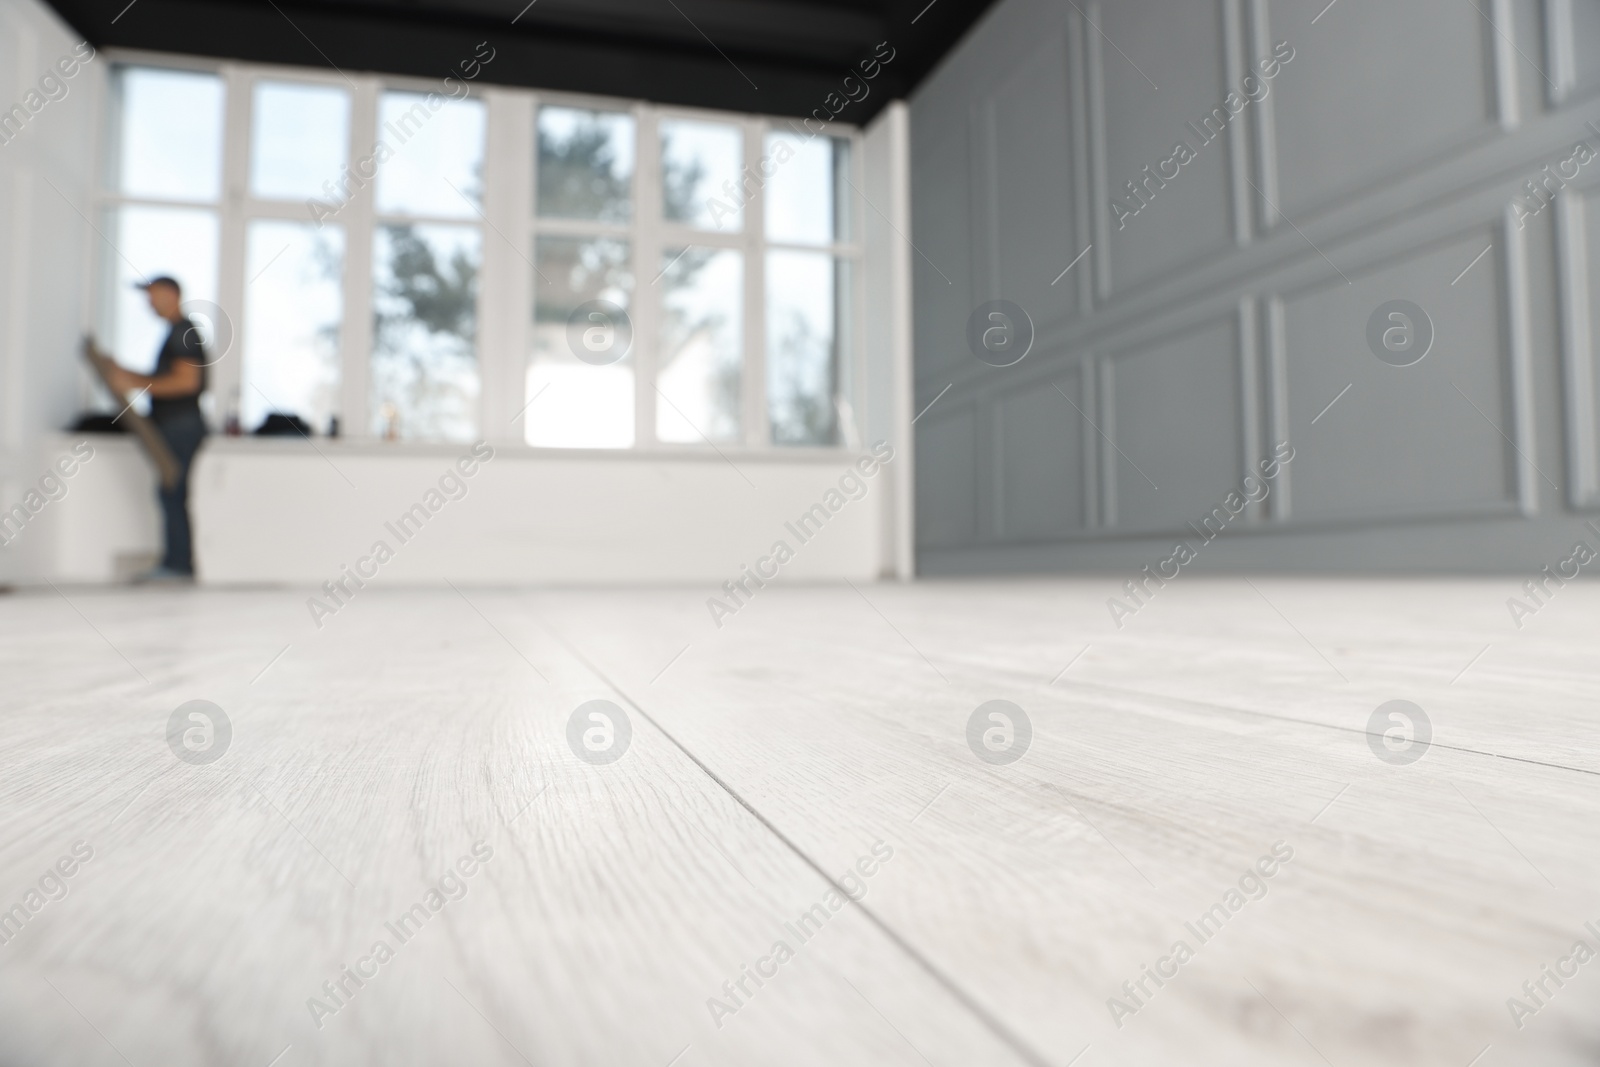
x=245, y=445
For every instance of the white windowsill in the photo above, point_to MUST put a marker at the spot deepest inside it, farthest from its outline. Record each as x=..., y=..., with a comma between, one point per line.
x=248, y=444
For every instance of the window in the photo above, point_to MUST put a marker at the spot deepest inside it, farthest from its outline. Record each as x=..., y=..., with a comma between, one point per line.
x=585, y=164
x=294, y=267
x=600, y=259
x=293, y=308
x=582, y=345
x=425, y=316
x=149, y=242
x=169, y=134
x=806, y=296
x=806, y=196
x=700, y=174
x=808, y=288
x=300, y=137
x=700, y=376
x=702, y=344
x=435, y=163
x=425, y=273
x=597, y=275
x=161, y=217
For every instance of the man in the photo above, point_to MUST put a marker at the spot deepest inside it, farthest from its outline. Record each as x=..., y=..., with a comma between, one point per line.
x=175, y=388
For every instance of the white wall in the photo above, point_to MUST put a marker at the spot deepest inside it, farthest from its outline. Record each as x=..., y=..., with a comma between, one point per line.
x=287, y=515
x=280, y=511
x=105, y=525
x=1231, y=309
x=45, y=246
x=888, y=320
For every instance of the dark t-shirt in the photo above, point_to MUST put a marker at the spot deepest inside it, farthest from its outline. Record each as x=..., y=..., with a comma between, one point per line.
x=183, y=343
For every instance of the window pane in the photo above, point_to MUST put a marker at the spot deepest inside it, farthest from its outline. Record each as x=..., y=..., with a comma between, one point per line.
x=425, y=333
x=700, y=165
x=148, y=242
x=300, y=139
x=702, y=345
x=585, y=164
x=293, y=305
x=805, y=345
x=437, y=163
x=573, y=402
x=170, y=134
x=806, y=201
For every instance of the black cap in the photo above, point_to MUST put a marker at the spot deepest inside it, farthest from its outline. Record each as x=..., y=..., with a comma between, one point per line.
x=161, y=279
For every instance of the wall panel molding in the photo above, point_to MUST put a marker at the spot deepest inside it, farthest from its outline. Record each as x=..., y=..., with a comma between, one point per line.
x=1100, y=186
x=1503, y=66
x=1093, y=504
x=1106, y=467
x=1251, y=387
x=984, y=203
x=1040, y=467
x=1235, y=65
x=1264, y=125
x=1503, y=427
x=1162, y=384
x=947, y=455
x=1279, y=503
x=989, y=486
x=1561, y=62
x=1499, y=114
x=1214, y=190
x=1084, y=187
x=1573, y=213
x=1519, y=362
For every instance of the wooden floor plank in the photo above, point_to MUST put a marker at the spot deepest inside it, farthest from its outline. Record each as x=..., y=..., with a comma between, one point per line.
x=1419, y=900
x=366, y=763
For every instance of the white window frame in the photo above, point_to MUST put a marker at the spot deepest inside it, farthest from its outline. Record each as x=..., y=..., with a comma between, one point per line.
x=505, y=282
x=106, y=198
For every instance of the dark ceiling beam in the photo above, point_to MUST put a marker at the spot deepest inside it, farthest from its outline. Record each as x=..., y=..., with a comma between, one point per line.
x=808, y=31
x=782, y=72
x=931, y=30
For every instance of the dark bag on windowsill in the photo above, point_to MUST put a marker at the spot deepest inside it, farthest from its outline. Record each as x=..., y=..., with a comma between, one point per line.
x=277, y=424
x=96, y=422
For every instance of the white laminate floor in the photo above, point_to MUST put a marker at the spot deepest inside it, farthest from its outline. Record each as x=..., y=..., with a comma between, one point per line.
x=786, y=843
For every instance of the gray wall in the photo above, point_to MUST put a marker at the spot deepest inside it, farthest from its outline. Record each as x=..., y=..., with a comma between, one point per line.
x=1233, y=307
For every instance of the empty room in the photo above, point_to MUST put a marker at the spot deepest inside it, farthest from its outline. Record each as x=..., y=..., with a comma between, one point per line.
x=902, y=533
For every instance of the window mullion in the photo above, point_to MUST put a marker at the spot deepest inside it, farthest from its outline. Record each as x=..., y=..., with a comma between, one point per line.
x=757, y=433
x=505, y=288
x=227, y=373
x=860, y=398
x=355, y=332
x=646, y=304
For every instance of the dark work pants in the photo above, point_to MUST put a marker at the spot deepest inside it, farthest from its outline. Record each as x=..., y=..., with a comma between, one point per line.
x=184, y=434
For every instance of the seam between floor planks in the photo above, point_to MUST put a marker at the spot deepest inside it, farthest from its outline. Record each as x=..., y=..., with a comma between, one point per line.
x=1252, y=713
x=1004, y=1033
x=1329, y=726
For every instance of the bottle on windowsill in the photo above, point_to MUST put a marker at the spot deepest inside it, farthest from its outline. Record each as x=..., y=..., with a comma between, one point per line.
x=230, y=420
